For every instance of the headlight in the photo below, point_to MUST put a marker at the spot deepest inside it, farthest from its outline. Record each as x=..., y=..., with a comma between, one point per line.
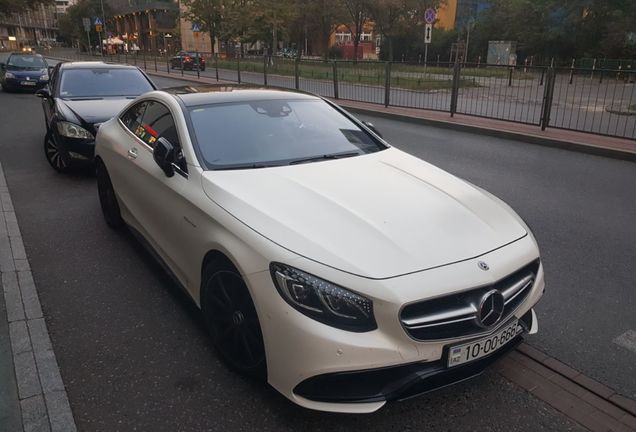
x=9, y=75
x=72, y=130
x=322, y=300
x=44, y=77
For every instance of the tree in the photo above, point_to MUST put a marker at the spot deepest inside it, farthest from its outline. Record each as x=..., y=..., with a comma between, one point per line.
x=208, y=14
x=386, y=14
x=70, y=24
x=325, y=16
x=357, y=11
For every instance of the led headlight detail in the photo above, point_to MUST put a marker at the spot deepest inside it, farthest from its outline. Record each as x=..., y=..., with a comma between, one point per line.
x=72, y=130
x=44, y=77
x=323, y=300
x=9, y=75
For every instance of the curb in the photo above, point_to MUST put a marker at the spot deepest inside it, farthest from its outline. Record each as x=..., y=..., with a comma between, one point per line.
x=498, y=133
x=43, y=401
x=584, y=400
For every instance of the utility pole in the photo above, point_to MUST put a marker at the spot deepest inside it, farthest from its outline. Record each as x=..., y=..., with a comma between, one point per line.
x=469, y=24
x=104, y=28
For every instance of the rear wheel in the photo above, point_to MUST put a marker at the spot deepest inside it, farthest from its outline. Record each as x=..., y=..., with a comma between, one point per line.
x=107, y=197
x=56, y=156
x=232, y=321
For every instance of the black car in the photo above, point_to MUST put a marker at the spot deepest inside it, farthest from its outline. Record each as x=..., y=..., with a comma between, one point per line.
x=79, y=97
x=24, y=71
x=187, y=60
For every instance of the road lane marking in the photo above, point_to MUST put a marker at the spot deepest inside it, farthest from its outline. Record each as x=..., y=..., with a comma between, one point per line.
x=627, y=340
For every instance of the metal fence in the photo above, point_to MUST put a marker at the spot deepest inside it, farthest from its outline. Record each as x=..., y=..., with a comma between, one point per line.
x=593, y=100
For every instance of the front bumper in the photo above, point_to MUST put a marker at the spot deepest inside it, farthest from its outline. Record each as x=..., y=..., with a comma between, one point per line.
x=398, y=382
x=324, y=368
x=16, y=84
x=79, y=150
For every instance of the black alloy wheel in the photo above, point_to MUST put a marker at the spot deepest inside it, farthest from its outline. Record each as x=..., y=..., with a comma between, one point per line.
x=57, y=158
x=107, y=197
x=232, y=321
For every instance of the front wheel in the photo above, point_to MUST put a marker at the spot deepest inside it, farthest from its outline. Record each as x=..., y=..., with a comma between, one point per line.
x=232, y=321
x=107, y=197
x=57, y=157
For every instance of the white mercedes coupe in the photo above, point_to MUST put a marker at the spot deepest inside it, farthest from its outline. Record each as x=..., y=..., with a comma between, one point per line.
x=343, y=271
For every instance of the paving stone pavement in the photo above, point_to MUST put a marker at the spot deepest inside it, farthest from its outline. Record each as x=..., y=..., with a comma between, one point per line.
x=34, y=397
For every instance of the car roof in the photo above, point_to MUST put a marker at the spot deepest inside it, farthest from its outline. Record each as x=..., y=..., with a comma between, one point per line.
x=94, y=65
x=222, y=93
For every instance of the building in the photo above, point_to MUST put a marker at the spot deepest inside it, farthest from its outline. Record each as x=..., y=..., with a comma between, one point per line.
x=62, y=5
x=144, y=25
x=343, y=39
x=34, y=28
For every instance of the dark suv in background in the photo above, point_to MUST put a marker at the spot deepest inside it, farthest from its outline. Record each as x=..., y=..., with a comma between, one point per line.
x=187, y=60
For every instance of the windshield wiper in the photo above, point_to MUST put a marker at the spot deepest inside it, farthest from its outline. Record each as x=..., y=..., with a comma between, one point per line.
x=243, y=166
x=325, y=157
x=85, y=98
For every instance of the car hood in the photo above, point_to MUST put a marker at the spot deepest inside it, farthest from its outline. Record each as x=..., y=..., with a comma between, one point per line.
x=378, y=216
x=91, y=111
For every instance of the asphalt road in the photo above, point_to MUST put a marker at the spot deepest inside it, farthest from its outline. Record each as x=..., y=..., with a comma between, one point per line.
x=134, y=355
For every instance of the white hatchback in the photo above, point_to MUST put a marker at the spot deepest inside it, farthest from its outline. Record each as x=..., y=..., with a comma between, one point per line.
x=344, y=271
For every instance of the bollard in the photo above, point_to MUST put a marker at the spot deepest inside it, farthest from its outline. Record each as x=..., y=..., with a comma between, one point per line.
x=572, y=72
x=265, y=70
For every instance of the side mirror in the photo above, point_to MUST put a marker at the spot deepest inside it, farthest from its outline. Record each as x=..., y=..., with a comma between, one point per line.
x=163, y=155
x=3, y=66
x=372, y=127
x=43, y=93
x=50, y=69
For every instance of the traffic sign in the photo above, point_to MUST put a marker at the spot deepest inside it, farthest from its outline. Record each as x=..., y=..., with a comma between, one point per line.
x=428, y=32
x=87, y=24
x=429, y=15
x=98, y=21
x=196, y=27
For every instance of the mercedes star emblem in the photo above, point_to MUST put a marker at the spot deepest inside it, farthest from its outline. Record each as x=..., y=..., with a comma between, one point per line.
x=491, y=309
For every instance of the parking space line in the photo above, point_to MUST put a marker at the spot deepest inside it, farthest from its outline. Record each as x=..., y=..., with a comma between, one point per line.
x=627, y=340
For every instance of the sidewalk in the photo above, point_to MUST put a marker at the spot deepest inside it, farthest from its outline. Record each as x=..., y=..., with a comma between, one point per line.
x=32, y=394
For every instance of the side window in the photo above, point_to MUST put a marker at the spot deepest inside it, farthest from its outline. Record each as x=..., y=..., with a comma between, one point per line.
x=158, y=123
x=132, y=118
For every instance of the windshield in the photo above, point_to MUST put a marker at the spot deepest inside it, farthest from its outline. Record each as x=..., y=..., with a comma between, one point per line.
x=102, y=82
x=26, y=62
x=276, y=132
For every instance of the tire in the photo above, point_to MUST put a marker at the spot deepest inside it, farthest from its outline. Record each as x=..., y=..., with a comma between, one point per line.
x=232, y=322
x=57, y=157
x=107, y=197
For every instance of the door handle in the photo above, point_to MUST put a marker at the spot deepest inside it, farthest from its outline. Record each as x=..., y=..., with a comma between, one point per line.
x=132, y=153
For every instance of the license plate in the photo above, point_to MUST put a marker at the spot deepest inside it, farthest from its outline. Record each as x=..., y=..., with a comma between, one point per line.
x=460, y=354
x=27, y=83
